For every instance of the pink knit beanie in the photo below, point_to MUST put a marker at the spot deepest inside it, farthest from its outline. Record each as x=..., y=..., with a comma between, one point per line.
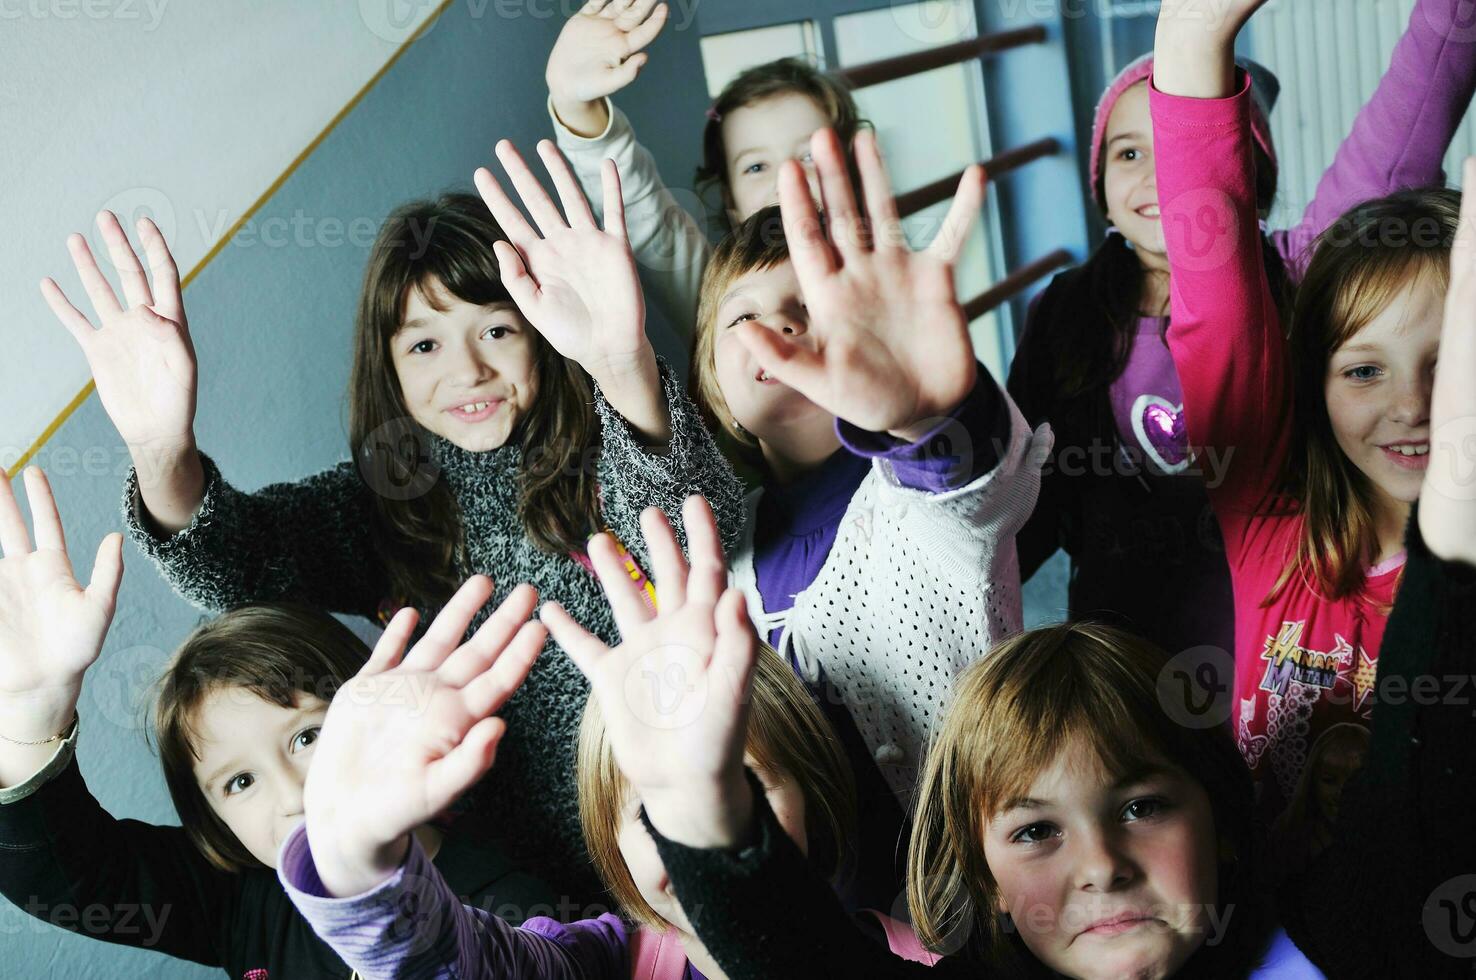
x=1264, y=90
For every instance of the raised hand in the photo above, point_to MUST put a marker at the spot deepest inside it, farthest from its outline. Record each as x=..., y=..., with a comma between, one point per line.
x=406, y=737
x=140, y=355
x=1194, y=48
x=575, y=282
x=1447, y=511
x=674, y=694
x=888, y=347
x=598, y=53
x=51, y=627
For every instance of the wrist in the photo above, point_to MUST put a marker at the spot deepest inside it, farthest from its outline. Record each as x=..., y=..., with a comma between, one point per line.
x=39, y=718
x=626, y=370
x=349, y=865
x=715, y=815
x=584, y=119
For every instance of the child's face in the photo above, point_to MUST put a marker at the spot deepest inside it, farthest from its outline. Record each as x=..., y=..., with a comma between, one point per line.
x=1378, y=389
x=1105, y=878
x=253, y=761
x=467, y=374
x=785, y=798
x=760, y=136
x=761, y=404
x=1129, y=182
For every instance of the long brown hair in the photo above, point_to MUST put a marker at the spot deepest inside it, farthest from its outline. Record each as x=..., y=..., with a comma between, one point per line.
x=1012, y=715
x=1357, y=269
x=788, y=738
x=450, y=240
x=276, y=651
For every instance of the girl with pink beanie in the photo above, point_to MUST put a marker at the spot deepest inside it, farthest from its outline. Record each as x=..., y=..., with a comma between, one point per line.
x=1125, y=493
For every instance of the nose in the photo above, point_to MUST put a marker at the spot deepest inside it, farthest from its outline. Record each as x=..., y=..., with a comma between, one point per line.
x=465, y=368
x=287, y=785
x=1101, y=864
x=1411, y=405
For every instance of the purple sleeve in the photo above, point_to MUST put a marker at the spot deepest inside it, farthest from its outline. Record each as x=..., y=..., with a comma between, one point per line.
x=412, y=926
x=965, y=445
x=1402, y=134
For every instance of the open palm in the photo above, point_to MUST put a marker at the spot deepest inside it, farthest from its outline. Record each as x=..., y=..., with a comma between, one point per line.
x=421, y=725
x=575, y=282
x=674, y=692
x=141, y=356
x=888, y=346
x=51, y=626
x=598, y=50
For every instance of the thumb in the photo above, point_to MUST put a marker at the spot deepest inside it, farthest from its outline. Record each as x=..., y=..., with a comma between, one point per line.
x=458, y=770
x=107, y=571
x=624, y=73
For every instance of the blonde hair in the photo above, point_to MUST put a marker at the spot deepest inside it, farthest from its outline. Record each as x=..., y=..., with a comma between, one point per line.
x=755, y=245
x=788, y=737
x=1358, y=268
x=1011, y=716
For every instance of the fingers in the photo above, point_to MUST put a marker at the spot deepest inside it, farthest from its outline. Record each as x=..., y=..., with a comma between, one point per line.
x=107, y=571
x=876, y=187
x=736, y=647
x=450, y=624
x=457, y=771
x=44, y=516
x=487, y=644
x=581, y=646
x=392, y=643
x=953, y=235
x=570, y=196
x=644, y=28
x=811, y=253
x=668, y=564
x=125, y=260
x=168, y=295
x=104, y=303
x=627, y=602
x=627, y=71
x=797, y=366
x=491, y=689
x=709, y=575
x=508, y=217
x=515, y=275
x=72, y=318
x=14, y=539
x=614, y=203
x=540, y=206
x=847, y=230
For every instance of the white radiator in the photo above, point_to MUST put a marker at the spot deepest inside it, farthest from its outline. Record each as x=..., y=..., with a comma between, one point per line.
x=1329, y=55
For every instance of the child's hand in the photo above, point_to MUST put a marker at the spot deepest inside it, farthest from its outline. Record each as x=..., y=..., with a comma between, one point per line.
x=598, y=54
x=405, y=738
x=51, y=627
x=674, y=694
x=141, y=358
x=1448, y=498
x=888, y=347
x=577, y=284
x=1194, y=49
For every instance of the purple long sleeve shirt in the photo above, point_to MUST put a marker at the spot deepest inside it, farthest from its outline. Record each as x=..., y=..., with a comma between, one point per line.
x=413, y=926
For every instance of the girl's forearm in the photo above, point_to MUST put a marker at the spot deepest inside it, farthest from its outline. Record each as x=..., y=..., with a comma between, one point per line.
x=171, y=485
x=39, y=718
x=634, y=390
x=1448, y=501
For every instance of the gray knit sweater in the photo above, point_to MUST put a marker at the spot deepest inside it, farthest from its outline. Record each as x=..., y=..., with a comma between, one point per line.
x=310, y=541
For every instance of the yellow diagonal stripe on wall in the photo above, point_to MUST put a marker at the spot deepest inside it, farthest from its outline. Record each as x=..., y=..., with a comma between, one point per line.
x=266, y=195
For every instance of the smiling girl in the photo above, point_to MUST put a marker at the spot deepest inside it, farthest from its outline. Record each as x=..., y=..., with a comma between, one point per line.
x=236, y=718
x=504, y=405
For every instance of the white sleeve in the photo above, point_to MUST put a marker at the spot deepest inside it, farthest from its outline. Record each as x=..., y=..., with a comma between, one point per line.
x=670, y=248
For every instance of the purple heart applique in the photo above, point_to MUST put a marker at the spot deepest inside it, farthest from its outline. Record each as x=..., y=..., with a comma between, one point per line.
x=1161, y=432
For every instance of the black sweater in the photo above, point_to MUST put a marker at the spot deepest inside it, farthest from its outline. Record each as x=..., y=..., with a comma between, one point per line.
x=65, y=860
x=1407, y=831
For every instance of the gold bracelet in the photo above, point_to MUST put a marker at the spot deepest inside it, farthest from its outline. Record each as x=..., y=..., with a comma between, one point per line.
x=45, y=741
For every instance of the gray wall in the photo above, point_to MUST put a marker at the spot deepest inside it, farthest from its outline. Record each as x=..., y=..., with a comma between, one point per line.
x=272, y=326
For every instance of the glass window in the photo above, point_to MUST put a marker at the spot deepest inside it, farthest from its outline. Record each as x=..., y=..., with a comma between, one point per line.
x=725, y=55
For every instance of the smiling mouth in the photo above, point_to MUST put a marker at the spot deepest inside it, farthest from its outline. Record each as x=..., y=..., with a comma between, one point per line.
x=1408, y=455
x=475, y=411
x=1148, y=211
